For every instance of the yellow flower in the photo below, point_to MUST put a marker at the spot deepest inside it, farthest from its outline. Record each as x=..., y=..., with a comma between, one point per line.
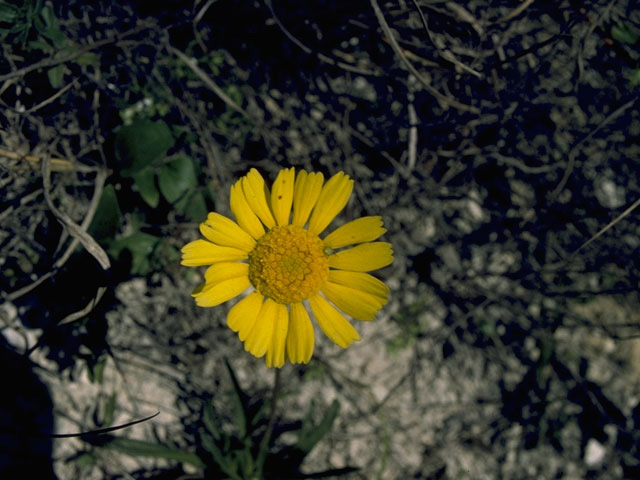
x=288, y=264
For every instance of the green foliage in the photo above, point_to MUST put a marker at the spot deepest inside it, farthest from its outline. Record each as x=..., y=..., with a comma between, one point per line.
x=142, y=448
x=109, y=410
x=177, y=182
x=141, y=246
x=141, y=150
x=95, y=369
x=56, y=76
x=240, y=453
x=142, y=144
x=147, y=252
x=628, y=34
x=47, y=25
x=16, y=22
x=625, y=33
x=35, y=28
x=310, y=433
x=141, y=155
x=315, y=370
x=230, y=448
x=84, y=459
x=106, y=220
x=176, y=178
x=145, y=180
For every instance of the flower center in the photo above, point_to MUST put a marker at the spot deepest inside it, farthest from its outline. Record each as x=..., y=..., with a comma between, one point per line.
x=288, y=264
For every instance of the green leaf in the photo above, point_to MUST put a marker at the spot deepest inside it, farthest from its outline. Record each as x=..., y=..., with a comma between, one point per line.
x=142, y=448
x=310, y=435
x=40, y=45
x=109, y=410
x=624, y=33
x=142, y=144
x=209, y=444
x=238, y=403
x=176, y=178
x=141, y=245
x=56, y=76
x=194, y=206
x=88, y=59
x=197, y=208
x=247, y=463
x=95, y=370
x=8, y=13
x=84, y=459
x=167, y=253
x=106, y=221
x=51, y=28
x=634, y=78
x=210, y=421
x=48, y=17
x=145, y=181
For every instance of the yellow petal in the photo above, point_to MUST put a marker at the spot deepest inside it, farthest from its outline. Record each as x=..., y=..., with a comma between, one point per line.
x=203, y=252
x=361, y=281
x=332, y=200
x=362, y=230
x=243, y=213
x=275, y=351
x=219, y=272
x=282, y=195
x=363, y=258
x=256, y=193
x=300, y=337
x=243, y=315
x=224, y=231
x=305, y=195
x=212, y=295
x=360, y=305
x=260, y=336
x=332, y=322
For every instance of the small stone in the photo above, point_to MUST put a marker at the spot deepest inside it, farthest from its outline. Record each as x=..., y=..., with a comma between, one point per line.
x=594, y=453
x=609, y=194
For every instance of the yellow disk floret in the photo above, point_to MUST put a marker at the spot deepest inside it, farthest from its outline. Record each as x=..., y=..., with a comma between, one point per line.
x=288, y=264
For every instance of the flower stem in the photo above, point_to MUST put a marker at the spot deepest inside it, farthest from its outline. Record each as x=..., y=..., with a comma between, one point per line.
x=264, y=444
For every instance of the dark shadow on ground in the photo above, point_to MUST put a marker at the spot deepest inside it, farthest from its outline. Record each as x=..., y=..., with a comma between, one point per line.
x=26, y=418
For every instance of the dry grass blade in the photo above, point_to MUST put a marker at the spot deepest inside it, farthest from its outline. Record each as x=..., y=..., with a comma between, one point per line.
x=72, y=317
x=608, y=226
x=57, y=164
x=78, y=233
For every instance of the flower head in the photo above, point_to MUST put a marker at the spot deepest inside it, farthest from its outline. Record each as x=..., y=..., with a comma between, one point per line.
x=276, y=248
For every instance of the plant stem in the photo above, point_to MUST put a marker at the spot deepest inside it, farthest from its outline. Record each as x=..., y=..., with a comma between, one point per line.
x=264, y=444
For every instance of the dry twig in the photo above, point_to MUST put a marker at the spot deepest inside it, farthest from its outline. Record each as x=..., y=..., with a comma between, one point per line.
x=208, y=81
x=78, y=232
x=517, y=11
x=442, y=99
x=53, y=61
x=607, y=227
x=573, y=153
